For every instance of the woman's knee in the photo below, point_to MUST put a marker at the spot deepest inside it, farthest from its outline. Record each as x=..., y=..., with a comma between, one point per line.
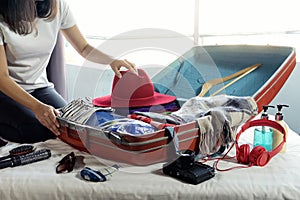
x=50, y=96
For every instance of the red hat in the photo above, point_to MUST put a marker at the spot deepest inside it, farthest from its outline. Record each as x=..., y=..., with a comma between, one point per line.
x=132, y=91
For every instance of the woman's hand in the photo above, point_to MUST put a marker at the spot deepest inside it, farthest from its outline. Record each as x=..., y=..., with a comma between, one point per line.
x=117, y=64
x=47, y=116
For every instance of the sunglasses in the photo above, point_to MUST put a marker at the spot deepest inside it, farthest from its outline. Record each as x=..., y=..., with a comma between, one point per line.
x=66, y=164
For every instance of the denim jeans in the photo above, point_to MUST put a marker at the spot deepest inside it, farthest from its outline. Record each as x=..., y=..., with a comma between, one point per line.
x=19, y=124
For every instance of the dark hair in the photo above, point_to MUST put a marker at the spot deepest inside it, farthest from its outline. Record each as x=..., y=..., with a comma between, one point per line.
x=19, y=15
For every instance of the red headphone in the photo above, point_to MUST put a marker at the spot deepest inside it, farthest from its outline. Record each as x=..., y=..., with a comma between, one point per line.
x=259, y=155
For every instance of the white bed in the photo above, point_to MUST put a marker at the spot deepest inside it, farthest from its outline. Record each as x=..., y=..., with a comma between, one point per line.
x=279, y=179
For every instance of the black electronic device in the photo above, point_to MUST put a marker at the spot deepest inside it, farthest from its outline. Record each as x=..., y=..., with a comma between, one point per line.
x=185, y=168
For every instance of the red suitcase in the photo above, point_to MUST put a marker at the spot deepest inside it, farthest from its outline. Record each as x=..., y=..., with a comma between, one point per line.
x=262, y=84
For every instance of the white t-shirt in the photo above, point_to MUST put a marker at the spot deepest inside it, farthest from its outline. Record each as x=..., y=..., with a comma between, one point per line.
x=28, y=56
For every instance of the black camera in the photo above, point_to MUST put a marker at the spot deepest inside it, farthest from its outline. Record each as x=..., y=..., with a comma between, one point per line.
x=185, y=168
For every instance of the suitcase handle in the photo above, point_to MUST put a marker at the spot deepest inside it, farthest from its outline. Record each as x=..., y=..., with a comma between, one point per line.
x=113, y=137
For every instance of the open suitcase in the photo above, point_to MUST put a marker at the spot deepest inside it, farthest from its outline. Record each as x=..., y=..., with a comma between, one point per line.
x=186, y=76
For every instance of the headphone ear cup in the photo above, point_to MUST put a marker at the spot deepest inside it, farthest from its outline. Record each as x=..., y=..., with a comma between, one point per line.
x=259, y=156
x=243, y=154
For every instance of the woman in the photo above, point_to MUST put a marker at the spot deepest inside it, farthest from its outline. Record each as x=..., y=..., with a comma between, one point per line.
x=28, y=101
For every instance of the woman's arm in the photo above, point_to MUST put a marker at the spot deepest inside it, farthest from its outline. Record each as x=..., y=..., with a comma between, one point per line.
x=77, y=40
x=44, y=113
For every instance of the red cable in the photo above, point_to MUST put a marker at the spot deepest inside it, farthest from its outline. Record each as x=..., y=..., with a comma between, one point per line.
x=215, y=165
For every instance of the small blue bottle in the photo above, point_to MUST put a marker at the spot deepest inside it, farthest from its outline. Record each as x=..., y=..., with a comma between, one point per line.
x=263, y=136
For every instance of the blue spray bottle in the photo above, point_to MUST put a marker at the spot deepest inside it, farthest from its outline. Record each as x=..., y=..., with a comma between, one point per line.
x=263, y=136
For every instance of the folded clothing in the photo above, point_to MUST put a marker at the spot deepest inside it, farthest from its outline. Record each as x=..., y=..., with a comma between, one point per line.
x=80, y=110
x=113, y=122
x=128, y=126
x=102, y=116
x=149, y=120
x=218, y=118
x=161, y=117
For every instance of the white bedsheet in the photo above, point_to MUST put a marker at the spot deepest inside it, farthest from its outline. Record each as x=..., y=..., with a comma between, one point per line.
x=279, y=179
